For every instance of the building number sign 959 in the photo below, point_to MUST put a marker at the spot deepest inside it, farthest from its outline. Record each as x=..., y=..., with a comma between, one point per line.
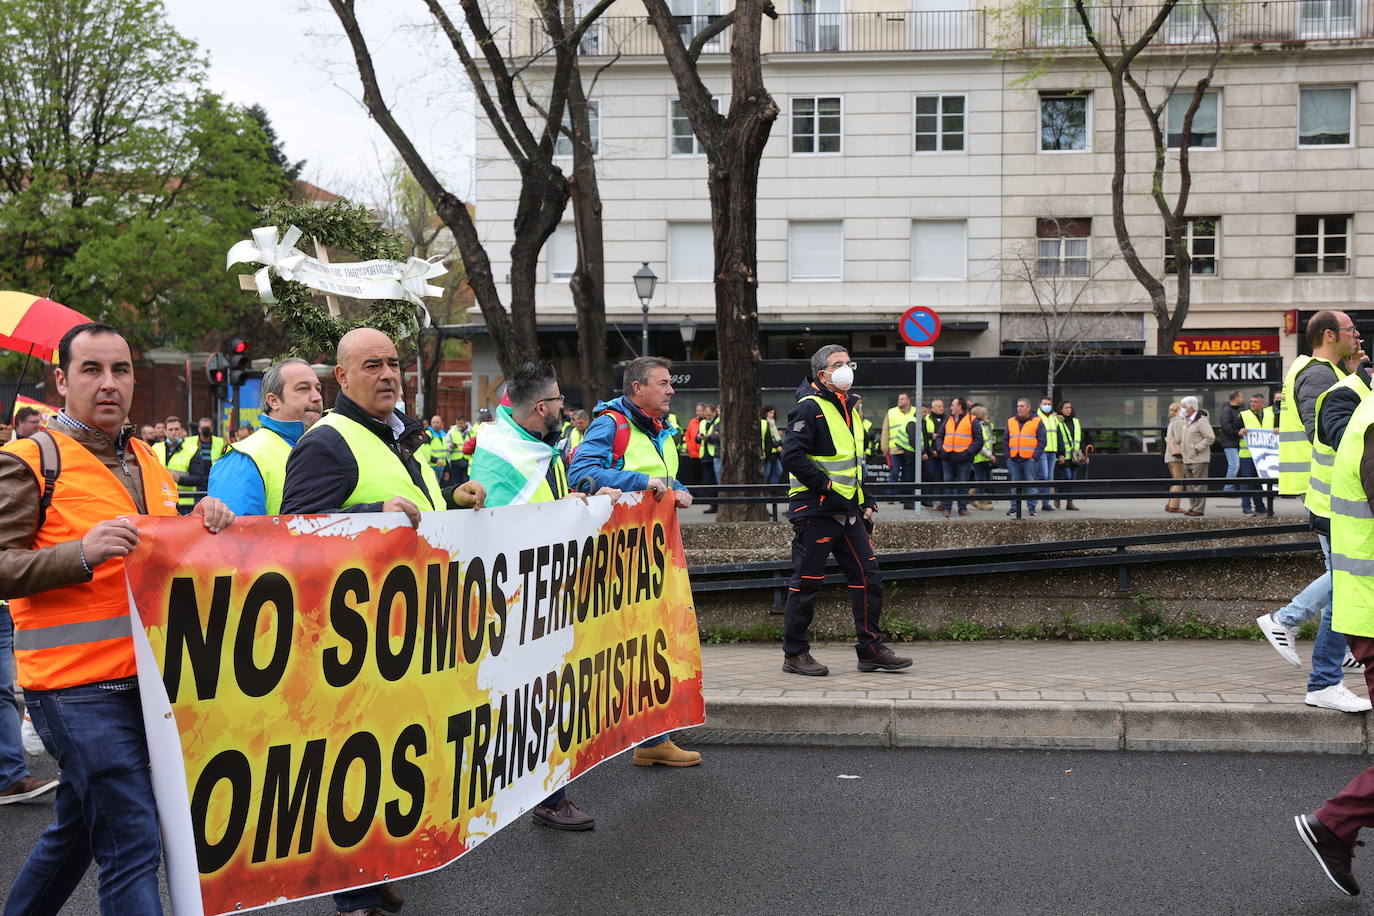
x=684, y=379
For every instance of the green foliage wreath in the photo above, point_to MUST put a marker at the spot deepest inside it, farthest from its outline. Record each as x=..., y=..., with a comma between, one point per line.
x=346, y=227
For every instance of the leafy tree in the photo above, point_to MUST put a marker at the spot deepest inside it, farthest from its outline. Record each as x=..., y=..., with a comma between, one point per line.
x=123, y=183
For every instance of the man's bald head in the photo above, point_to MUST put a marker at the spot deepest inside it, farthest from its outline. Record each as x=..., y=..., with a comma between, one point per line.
x=369, y=371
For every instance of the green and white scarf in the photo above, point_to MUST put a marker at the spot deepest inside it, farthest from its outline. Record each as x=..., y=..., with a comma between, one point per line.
x=510, y=462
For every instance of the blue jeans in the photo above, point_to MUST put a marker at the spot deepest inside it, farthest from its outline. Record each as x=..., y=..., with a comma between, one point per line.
x=1024, y=469
x=1048, y=461
x=772, y=469
x=12, y=765
x=957, y=473
x=103, y=809
x=1315, y=601
x=1232, y=465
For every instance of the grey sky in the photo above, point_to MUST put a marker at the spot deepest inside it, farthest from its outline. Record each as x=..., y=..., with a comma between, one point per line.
x=293, y=59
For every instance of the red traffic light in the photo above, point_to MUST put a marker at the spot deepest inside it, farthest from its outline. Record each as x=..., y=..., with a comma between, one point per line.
x=237, y=347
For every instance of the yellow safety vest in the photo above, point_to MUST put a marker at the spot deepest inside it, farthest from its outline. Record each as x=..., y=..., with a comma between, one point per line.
x=1352, y=532
x=642, y=454
x=269, y=452
x=705, y=429
x=381, y=474
x=897, y=439
x=1295, y=450
x=1250, y=420
x=985, y=454
x=1051, y=421
x=181, y=462
x=1318, y=498
x=844, y=468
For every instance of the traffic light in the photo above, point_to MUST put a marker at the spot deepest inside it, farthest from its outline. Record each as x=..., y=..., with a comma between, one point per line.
x=217, y=373
x=240, y=363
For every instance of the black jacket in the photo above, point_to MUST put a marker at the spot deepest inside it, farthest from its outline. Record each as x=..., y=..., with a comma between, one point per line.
x=321, y=471
x=1229, y=426
x=809, y=434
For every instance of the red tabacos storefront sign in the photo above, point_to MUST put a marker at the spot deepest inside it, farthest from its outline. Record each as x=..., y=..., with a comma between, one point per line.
x=1219, y=345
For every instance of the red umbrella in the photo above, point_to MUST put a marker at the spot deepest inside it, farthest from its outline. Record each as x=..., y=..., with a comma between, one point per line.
x=33, y=326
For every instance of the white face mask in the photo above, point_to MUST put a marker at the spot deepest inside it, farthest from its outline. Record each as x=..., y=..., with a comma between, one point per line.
x=1044, y=408
x=842, y=378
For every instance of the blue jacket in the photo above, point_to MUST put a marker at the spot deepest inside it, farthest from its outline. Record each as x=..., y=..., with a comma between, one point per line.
x=593, y=456
x=235, y=478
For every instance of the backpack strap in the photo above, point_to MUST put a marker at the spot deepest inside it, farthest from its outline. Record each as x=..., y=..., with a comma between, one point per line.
x=621, y=444
x=50, y=464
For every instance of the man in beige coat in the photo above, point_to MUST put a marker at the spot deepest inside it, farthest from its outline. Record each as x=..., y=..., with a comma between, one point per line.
x=1196, y=444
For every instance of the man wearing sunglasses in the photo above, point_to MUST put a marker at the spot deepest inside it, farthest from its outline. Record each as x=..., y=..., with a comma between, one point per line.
x=823, y=454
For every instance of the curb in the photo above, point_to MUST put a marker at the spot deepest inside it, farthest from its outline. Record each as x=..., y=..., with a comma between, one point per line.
x=1045, y=725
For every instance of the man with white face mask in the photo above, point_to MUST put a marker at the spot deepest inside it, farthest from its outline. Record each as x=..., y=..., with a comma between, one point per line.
x=823, y=453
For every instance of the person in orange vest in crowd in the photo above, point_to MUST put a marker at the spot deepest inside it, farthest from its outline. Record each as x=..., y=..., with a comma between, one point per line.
x=62, y=556
x=1025, y=445
x=961, y=439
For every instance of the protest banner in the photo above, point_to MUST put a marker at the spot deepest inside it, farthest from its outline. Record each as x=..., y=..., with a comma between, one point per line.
x=336, y=701
x=1264, y=451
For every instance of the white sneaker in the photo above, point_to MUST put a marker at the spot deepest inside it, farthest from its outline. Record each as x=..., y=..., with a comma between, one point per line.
x=33, y=745
x=1282, y=638
x=1337, y=697
x=1351, y=663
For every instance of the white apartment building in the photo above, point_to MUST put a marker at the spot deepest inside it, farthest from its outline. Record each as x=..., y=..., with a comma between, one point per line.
x=913, y=156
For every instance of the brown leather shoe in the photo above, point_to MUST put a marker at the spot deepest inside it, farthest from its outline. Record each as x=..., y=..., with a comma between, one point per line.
x=803, y=663
x=391, y=897
x=26, y=788
x=883, y=659
x=1071, y=507
x=563, y=816
x=1191, y=514
x=667, y=753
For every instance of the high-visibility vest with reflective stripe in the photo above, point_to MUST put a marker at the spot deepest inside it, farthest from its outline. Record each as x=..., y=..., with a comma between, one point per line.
x=1295, y=450
x=1352, y=532
x=79, y=634
x=269, y=452
x=844, y=468
x=707, y=427
x=763, y=440
x=575, y=439
x=642, y=454
x=897, y=439
x=1051, y=431
x=1318, y=498
x=958, y=437
x=181, y=463
x=1070, y=433
x=381, y=474
x=672, y=419
x=1021, y=437
x=1250, y=420
x=985, y=454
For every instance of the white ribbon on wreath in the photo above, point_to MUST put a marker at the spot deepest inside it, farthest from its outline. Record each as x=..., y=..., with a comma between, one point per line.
x=375, y=279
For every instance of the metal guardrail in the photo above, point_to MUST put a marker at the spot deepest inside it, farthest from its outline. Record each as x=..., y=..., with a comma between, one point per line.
x=1019, y=491
x=1009, y=558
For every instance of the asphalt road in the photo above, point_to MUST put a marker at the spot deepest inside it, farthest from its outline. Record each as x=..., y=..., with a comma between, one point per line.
x=775, y=830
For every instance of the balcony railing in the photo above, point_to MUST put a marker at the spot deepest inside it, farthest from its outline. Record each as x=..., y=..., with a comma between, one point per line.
x=1055, y=26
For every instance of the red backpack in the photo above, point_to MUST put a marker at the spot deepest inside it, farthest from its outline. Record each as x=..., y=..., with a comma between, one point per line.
x=621, y=443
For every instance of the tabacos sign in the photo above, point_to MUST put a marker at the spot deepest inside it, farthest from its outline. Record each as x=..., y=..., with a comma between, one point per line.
x=1218, y=345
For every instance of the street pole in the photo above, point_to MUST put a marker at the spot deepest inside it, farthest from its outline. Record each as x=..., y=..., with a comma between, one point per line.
x=920, y=429
x=644, y=328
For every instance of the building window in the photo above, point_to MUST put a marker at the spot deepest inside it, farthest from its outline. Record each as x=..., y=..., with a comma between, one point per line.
x=816, y=124
x=939, y=249
x=1060, y=24
x=1324, y=116
x=940, y=123
x=1062, y=247
x=693, y=16
x=815, y=250
x=681, y=140
x=562, y=252
x=817, y=25
x=1200, y=241
x=1327, y=19
x=1321, y=245
x=1063, y=121
x=563, y=145
x=1206, y=120
x=691, y=254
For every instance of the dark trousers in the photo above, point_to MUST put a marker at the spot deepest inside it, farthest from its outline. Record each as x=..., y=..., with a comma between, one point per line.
x=457, y=473
x=707, y=467
x=814, y=540
x=689, y=470
x=956, y=473
x=1250, y=492
x=1353, y=808
x=932, y=471
x=903, y=471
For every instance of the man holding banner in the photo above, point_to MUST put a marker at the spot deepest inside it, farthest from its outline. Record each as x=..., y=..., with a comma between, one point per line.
x=62, y=555
x=363, y=456
x=1336, y=352
x=1257, y=426
x=518, y=462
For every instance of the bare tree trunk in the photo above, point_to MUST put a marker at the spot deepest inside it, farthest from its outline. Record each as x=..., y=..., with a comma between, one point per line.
x=588, y=284
x=733, y=145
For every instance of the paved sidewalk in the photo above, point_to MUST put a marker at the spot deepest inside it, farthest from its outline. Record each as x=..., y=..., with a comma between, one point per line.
x=1175, y=695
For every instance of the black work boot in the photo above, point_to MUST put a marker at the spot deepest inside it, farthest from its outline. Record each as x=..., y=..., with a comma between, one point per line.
x=803, y=663
x=881, y=658
x=1333, y=853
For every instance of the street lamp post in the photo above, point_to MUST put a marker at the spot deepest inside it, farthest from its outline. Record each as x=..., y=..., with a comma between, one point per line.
x=645, y=281
x=688, y=329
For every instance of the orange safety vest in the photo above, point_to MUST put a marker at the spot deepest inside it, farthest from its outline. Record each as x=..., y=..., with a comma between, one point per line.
x=958, y=434
x=79, y=634
x=1021, y=438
